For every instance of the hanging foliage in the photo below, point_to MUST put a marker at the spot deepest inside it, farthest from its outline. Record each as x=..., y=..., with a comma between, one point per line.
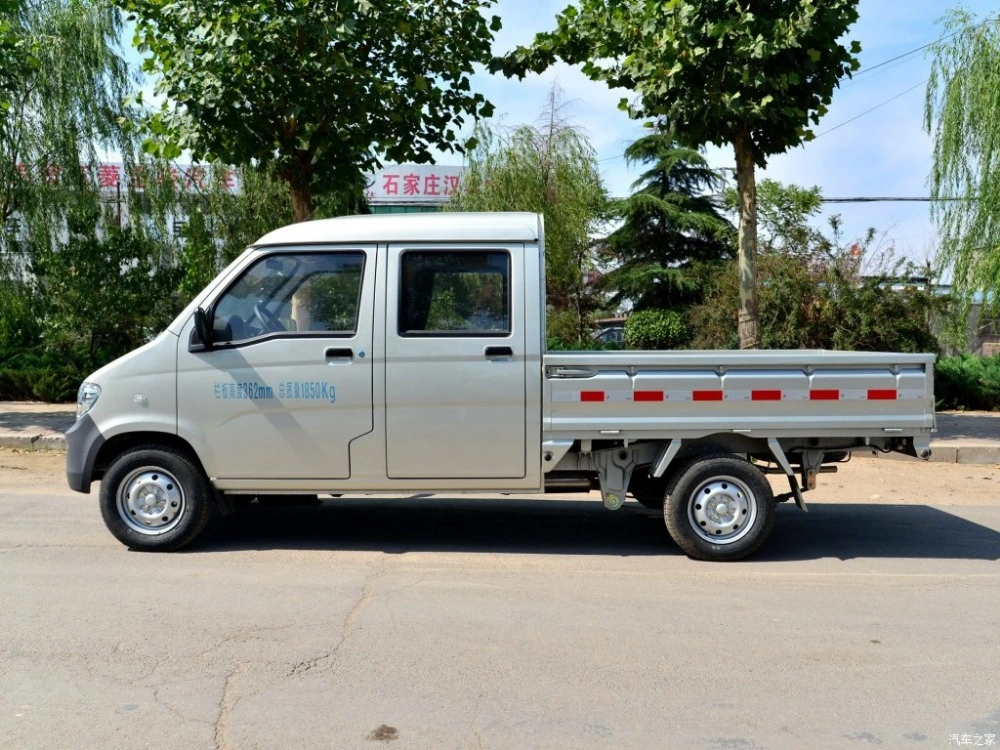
x=962, y=113
x=65, y=88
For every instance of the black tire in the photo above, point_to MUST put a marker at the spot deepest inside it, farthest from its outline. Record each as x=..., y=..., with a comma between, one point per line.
x=737, y=517
x=166, y=496
x=648, y=491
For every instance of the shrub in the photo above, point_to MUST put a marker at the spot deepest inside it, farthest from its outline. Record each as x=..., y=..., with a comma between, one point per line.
x=821, y=304
x=656, y=329
x=968, y=381
x=103, y=297
x=15, y=385
x=56, y=384
x=20, y=309
x=30, y=376
x=53, y=384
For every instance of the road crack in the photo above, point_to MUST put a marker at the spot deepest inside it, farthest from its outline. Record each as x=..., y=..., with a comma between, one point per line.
x=226, y=705
x=474, y=722
x=327, y=660
x=160, y=702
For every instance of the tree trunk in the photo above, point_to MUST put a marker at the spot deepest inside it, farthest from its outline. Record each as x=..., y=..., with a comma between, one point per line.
x=746, y=187
x=302, y=204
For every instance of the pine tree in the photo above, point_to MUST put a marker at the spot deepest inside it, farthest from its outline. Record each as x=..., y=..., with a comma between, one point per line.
x=672, y=222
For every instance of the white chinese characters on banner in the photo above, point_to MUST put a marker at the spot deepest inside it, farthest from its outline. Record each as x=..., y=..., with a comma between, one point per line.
x=414, y=183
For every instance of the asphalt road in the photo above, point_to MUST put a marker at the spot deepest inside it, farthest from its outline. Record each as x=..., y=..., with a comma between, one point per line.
x=506, y=623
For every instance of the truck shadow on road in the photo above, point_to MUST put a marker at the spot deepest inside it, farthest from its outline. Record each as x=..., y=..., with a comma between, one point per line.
x=569, y=527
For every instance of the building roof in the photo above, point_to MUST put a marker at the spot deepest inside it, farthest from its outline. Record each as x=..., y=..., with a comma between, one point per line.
x=424, y=227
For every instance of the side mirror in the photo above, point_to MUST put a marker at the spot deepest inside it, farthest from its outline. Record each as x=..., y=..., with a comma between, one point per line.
x=203, y=330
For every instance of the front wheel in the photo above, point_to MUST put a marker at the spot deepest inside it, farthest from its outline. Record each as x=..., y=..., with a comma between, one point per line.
x=154, y=498
x=719, y=508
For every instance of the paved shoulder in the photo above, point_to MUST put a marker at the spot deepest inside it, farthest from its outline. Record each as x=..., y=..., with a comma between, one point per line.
x=34, y=426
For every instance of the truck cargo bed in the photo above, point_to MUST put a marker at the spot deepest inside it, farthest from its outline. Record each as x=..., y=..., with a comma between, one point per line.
x=692, y=394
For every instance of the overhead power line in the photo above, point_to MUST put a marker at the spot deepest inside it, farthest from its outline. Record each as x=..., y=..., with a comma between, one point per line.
x=915, y=50
x=890, y=199
x=872, y=109
x=877, y=199
x=891, y=60
x=837, y=126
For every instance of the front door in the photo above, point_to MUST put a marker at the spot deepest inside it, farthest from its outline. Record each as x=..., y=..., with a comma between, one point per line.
x=288, y=385
x=455, y=363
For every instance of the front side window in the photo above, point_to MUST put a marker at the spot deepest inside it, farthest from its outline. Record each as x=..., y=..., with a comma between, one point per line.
x=293, y=292
x=454, y=293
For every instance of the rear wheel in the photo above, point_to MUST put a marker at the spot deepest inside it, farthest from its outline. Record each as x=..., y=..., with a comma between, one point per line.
x=154, y=498
x=719, y=508
x=648, y=491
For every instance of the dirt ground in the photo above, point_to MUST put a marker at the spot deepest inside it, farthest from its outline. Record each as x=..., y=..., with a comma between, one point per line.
x=862, y=480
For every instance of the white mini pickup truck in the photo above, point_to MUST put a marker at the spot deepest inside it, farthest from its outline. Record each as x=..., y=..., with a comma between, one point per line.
x=406, y=354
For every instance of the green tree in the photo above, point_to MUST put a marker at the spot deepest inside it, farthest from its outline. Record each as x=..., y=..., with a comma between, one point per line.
x=65, y=91
x=963, y=115
x=552, y=170
x=672, y=224
x=318, y=91
x=751, y=74
x=785, y=216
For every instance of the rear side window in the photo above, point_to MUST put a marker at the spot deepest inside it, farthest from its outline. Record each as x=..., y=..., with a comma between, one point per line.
x=454, y=293
x=291, y=293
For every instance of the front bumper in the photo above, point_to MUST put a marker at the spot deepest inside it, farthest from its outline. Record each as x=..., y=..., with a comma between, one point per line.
x=83, y=443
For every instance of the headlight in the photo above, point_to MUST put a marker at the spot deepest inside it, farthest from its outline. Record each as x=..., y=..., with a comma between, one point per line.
x=86, y=397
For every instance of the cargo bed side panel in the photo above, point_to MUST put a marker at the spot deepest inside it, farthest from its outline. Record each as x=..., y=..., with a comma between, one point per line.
x=780, y=394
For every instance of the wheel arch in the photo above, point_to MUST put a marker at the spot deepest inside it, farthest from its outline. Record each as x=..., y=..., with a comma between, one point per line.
x=116, y=445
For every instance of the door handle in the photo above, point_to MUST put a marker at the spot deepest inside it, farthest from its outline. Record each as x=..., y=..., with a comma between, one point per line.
x=499, y=351
x=335, y=353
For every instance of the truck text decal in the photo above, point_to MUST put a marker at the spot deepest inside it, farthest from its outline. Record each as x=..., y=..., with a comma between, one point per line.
x=289, y=390
x=309, y=390
x=241, y=391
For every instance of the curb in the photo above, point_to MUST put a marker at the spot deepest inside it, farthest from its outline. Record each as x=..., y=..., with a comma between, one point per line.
x=952, y=454
x=33, y=442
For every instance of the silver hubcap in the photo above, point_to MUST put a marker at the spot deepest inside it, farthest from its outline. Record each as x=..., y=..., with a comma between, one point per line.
x=150, y=501
x=722, y=510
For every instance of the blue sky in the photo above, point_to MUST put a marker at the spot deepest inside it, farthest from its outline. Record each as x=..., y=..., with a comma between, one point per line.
x=885, y=153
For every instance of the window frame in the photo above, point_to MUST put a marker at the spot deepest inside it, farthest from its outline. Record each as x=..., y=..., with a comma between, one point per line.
x=466, y=334
x=269, y=335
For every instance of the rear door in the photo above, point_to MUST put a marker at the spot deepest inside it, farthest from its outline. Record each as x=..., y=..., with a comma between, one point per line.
x=455, y=362
x=289, y=384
